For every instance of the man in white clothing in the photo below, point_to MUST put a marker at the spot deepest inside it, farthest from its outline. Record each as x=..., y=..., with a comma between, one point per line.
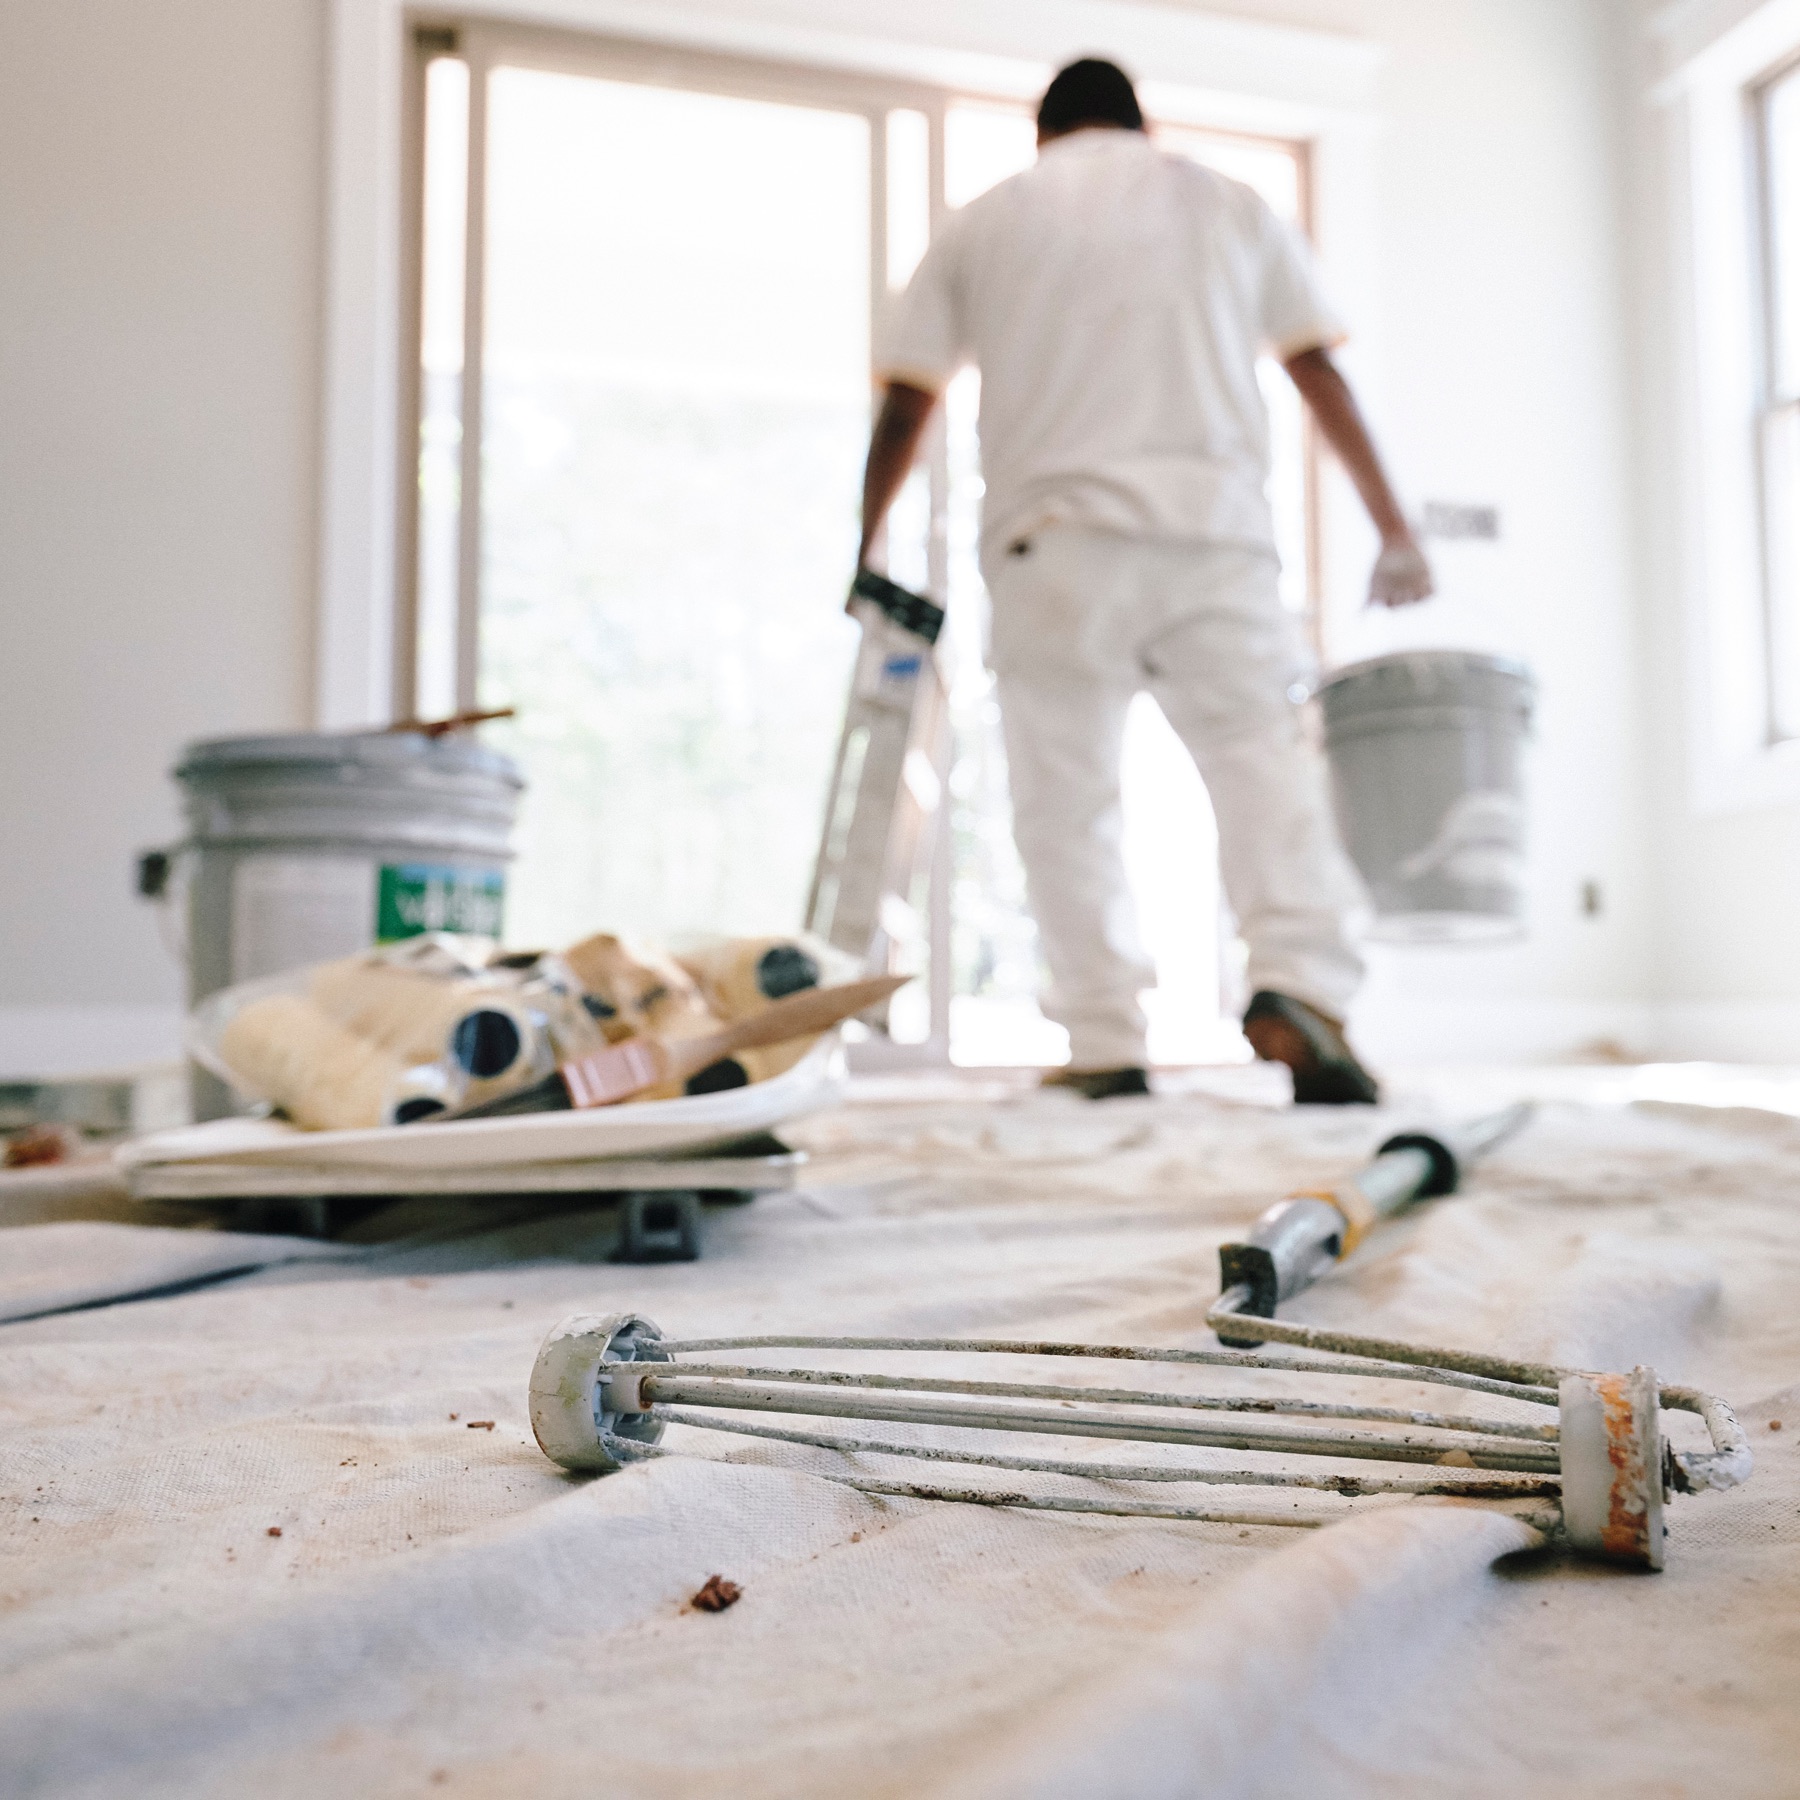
x=1115, y=299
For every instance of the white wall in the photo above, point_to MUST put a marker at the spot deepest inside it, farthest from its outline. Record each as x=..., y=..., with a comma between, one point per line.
x=1490, y=350
x=1499, y=375
x=162, y=294
x=159, y=379
x=1726, y=976
x=1533, y=199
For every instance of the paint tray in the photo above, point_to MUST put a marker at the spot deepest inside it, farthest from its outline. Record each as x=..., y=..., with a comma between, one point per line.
x=474, y=1148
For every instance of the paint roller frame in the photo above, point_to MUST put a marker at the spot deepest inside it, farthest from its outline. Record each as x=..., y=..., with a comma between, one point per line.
x=604, y=1388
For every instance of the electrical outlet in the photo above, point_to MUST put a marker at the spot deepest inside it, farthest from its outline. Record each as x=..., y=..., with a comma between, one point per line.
x=1445, y=519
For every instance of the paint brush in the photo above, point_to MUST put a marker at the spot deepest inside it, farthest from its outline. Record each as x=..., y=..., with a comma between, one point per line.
x=607, y=1077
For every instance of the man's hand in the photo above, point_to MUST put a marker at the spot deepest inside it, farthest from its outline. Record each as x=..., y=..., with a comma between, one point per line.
x=1401, y=576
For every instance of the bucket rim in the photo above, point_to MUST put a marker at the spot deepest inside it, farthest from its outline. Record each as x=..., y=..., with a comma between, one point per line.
x=219, y=757
x=375, y=847
x=1488, y=661
x=1374, y=721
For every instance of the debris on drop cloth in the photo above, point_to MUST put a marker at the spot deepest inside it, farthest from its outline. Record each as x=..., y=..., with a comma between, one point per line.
x=716, y=1594
x=40, y=1144
x=447, y=1599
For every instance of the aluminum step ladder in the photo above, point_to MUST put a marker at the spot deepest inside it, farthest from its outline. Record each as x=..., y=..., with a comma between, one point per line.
x=887, y=782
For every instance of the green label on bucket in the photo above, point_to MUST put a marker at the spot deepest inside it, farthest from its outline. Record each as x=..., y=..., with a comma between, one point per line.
x=416, y=897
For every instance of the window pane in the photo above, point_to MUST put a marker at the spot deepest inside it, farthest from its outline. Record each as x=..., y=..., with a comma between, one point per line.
x=677, y=392
x=983, y=145
x=1781, y=116
x=1272, y=169
x=909, y=521
x=908, y=193
x=1781, y=542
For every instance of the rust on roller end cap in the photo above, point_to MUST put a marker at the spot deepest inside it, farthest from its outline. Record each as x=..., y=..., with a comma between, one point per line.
x=1613, y=1473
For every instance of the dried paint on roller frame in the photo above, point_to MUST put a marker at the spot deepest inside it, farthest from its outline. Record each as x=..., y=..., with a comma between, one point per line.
x=605, y=1386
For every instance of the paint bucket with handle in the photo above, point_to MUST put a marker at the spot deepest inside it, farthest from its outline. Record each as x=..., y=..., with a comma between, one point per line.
x=1426, y=751
x=315, y=845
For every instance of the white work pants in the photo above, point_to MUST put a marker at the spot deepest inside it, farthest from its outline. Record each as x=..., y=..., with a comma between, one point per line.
x=1084, y=620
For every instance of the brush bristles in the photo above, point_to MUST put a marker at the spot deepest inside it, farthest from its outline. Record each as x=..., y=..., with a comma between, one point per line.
x=611, y=1075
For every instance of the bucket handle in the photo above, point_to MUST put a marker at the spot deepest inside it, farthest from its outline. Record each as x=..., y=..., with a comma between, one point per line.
x=157, y=871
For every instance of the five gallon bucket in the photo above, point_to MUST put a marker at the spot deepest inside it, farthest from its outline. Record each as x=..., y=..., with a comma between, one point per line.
x=1425, y=750
x=317, y=845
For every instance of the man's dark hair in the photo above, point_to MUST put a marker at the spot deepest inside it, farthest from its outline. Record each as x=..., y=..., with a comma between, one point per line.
x=1089, y=92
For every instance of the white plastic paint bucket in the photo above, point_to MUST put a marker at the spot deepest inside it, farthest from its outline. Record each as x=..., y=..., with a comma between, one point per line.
x=315, y=845
x=1426, y=751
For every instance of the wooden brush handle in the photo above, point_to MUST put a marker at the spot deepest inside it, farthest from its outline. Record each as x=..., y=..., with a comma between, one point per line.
x=623, y=1070
x=796, y=1015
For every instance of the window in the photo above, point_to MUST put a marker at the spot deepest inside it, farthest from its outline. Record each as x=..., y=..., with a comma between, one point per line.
x=644, y=347
x=641, y=298
x=1731, y=132
x=1777, y=134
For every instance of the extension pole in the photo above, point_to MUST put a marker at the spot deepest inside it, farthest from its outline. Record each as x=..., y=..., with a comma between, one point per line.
x=1299, y=1238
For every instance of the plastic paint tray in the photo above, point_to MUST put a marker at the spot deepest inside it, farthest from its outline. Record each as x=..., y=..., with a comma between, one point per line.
x=636, y=1129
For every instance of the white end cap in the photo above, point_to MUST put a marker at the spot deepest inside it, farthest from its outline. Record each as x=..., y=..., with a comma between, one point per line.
x=1612, y=1466
x=568, y=1417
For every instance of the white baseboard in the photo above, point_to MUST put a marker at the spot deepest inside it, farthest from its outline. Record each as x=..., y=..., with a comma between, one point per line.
x=54, y=1042
x=1415, y=1032
x=1738, y=1031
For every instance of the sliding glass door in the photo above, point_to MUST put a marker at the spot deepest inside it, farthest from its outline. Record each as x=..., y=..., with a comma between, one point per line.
x=677, y=403
x=673, y=346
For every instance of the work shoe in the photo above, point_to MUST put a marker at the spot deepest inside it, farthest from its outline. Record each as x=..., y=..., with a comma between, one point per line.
x=1325, y=1069
x=1099, y=1084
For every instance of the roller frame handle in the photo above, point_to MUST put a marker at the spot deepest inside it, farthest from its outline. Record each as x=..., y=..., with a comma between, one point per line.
x=1299, y=1238
x=911, y=612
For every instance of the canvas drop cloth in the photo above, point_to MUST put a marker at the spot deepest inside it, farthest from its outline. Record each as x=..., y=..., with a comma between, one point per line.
x=443, y=1612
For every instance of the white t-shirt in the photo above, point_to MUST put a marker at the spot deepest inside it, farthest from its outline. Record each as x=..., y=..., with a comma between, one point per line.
x=1115, y=299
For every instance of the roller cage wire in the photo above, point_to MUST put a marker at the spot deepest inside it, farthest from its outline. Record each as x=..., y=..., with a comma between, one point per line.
x=605, y=1387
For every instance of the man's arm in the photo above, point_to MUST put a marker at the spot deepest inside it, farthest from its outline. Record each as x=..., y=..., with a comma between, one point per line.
x=892, y=446
x=1402, y=576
